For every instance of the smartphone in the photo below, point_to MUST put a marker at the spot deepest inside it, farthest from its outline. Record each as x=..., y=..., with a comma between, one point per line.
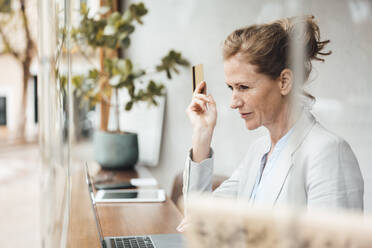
x=137, y=195
x=121, y=185
x=197, y=77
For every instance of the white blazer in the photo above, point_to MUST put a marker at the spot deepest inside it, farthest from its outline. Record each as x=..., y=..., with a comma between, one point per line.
x=316, y=169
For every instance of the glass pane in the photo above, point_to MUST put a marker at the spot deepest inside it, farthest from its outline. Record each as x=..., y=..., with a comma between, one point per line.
x=341, y=83
x=54, y=121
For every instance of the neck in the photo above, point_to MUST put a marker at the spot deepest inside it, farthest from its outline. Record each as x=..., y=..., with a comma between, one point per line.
x=283, y=122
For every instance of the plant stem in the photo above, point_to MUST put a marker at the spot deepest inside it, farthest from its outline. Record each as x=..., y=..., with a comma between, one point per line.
x=117, y=110
x=104, y=103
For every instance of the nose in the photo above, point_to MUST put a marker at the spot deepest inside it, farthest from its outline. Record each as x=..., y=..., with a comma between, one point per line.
x=236, y=102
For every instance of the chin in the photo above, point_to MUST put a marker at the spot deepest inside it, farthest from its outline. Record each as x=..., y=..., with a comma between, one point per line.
x=251, y=125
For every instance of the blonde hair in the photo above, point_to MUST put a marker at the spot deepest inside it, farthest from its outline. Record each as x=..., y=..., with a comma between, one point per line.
x=268, y=45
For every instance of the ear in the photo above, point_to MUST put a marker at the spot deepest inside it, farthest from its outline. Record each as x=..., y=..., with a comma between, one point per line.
x=285, y=82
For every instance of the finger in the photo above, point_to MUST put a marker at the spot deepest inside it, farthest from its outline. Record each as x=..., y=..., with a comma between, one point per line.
x=211, y=100
x=194, y=107
x=200, y=104
x=211, y=103
x=201, y=87
x=202, y=97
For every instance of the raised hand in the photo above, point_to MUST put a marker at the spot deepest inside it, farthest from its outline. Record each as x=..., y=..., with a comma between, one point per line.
x=202, y=113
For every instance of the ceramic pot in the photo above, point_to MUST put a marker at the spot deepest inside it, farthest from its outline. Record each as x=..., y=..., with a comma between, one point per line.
x=115, y=150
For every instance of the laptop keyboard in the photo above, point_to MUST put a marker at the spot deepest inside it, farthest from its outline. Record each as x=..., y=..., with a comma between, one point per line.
x=132, y=242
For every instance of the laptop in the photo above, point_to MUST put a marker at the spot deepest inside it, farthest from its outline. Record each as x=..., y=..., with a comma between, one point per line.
x=145, y=241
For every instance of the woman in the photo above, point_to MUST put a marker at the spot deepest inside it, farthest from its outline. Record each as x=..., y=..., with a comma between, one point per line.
x=300, y=163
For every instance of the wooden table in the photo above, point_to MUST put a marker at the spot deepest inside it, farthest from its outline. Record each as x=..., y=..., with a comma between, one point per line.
x=116, y=218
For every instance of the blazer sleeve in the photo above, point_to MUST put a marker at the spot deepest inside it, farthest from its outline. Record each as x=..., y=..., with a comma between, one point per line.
x=197, y=177
x=334, y=179
x=229, y=188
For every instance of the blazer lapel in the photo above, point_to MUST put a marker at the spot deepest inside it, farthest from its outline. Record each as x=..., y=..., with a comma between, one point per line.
x=284, y=163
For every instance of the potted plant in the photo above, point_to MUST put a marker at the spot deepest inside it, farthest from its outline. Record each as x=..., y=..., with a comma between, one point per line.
x=109, y=32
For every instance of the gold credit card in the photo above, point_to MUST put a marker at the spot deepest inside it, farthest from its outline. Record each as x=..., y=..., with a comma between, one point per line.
x=197, y=76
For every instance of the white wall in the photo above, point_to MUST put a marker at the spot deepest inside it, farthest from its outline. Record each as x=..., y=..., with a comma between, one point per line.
x=342, y=84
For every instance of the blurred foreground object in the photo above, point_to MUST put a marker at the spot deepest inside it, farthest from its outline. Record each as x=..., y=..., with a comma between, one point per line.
x=219, y=222
x=55, y=122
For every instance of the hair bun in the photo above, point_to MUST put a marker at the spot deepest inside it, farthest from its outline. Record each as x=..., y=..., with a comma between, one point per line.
x=305, y=29
x=269, y=46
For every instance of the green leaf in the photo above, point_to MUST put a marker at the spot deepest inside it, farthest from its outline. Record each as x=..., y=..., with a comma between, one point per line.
x=84, y=9
x=123, y=35
x=139, y=73
x=93, y=73
x=109, y=65
x=125, y=43
x=114, y=18
x=128, y=66
x=131, y=89
x=170, y=62
x=124, y=68
x=99, y=35
x=111, y=42
x=103, y=10
x=127, y=16
x=126, y=29
x=115, y=80
x=121, y=64
x=109, y=30
x=138, y=11
x=128, y=106
x=155, y=89
x=77, y=81
x=169, y=75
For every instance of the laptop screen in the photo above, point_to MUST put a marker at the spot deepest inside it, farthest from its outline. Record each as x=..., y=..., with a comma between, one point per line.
x=92, y=200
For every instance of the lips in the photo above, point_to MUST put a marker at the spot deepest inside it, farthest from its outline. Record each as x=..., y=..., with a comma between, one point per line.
x=245, y=115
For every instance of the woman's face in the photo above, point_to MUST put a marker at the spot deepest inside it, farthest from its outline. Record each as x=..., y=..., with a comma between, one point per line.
x=257, y=97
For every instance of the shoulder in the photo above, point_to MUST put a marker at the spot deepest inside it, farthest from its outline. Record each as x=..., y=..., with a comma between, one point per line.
x=325, y=151
x=321, y=140
x=332, y=174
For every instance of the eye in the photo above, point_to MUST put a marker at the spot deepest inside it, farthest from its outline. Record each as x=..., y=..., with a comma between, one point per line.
x=228, y=86
x=243, y=87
